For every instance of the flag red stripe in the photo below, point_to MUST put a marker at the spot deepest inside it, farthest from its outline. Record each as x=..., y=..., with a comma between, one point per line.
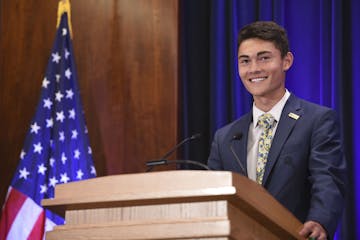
x=11, y=208
x=38, y=229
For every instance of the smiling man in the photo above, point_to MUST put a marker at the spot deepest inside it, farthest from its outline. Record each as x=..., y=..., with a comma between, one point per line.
x=288, y=145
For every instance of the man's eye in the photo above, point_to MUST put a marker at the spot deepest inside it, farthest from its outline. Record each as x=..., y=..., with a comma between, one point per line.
x=244, y=61
x=265, y=58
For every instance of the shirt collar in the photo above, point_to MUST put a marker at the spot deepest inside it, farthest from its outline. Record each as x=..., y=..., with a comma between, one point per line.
x=275, y=111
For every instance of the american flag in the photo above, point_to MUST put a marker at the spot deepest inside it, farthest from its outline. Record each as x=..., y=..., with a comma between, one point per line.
x=56, y=148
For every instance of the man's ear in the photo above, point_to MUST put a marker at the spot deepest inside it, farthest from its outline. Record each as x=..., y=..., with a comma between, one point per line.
x=288, y=61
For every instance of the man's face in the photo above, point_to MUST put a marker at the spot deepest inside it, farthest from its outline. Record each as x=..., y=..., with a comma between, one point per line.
x=262, y=69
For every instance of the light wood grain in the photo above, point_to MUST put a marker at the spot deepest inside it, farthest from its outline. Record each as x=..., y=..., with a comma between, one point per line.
x=171, y=212
x=200, y=229
x=170, y=202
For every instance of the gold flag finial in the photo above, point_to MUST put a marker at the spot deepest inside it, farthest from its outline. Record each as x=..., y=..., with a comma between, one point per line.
x=64, y=7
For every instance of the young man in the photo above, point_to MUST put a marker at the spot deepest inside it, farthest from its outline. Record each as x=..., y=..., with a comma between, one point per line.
x=288, y=145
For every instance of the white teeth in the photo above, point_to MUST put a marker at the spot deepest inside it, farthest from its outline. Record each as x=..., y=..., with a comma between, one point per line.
x=257, y=79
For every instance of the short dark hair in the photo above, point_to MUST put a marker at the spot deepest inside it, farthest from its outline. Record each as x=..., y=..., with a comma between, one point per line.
x=268, y=31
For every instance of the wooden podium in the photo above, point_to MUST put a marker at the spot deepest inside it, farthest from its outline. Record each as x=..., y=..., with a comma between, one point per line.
x=170, y=205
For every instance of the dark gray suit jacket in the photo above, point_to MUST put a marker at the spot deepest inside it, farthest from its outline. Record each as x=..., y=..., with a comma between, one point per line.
x=305, y=170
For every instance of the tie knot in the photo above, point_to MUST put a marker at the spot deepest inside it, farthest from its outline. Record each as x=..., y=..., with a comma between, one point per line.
x=266, y=121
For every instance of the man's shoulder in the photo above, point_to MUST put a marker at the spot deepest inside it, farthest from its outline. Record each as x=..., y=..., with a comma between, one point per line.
x=308, y=105
x=235, y=126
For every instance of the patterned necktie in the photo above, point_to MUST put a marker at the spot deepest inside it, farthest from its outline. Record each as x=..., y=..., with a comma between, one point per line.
x=266, y=122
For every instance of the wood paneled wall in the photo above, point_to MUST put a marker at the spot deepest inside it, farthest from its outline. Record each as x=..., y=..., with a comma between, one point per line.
x=127, y=61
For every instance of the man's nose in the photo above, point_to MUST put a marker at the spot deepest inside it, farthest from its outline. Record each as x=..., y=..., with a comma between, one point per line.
x=254, y=66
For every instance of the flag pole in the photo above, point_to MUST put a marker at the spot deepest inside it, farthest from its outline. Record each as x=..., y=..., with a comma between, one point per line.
x=64, y=7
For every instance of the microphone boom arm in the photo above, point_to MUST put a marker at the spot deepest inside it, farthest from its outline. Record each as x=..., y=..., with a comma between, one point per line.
x=154, y=163
x=164, y=161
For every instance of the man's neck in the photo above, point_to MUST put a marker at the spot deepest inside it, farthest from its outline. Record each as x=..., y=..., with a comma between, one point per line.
x=267, y=103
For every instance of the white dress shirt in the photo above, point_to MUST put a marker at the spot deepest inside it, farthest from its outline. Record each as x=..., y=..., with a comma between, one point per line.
x=255, y=132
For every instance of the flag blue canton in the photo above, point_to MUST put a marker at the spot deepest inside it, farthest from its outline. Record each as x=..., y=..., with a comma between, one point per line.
x=56, y=148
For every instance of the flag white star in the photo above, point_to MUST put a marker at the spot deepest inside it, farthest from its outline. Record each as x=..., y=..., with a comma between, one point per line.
x=42, y=169
x=43, y=189
x=68, y=73
x=93, y=171
x=60, y=116
x=69, y=93
x=22, y=154
x=57, y=76
x=37, y=147
x=53, y=182
x=86, y=130
x=79, y=174
x=72, y=114
x=58, y=96
x=35, y=128
x=52, y=161
x=23, y=173
x=64, y=178
x=64, y=31
x=45, y=83
x=47, y=103
x=61, y=136
x=74, y=134
x=67, y=53
x=63, y=158
x=49, y=122
x=77, y=154
x=89, y=150
x=55, y=57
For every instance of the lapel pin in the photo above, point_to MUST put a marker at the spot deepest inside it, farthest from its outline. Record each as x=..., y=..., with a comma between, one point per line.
x=294, y=116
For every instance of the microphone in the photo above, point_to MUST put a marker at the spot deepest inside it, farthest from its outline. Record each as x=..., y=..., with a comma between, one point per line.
x=193, y=137
x=164, y=161
x=237, y=137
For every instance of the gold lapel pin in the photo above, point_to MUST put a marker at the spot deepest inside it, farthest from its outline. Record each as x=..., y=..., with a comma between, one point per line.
x=294, y=116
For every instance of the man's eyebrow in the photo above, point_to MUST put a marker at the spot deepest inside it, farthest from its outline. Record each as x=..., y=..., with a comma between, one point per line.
x=243, y=56
x=258, y=54
x=263, y=52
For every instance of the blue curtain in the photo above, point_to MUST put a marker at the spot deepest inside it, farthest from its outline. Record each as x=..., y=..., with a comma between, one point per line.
x=325, y=39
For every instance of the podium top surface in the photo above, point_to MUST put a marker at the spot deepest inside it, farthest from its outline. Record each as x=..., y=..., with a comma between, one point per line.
x=151, y=186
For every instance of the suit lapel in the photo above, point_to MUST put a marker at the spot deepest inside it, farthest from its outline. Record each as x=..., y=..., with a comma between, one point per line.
x=240, y=146
x=291, y=111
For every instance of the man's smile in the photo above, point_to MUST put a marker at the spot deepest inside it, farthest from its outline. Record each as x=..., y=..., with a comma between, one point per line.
x=258, y=79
